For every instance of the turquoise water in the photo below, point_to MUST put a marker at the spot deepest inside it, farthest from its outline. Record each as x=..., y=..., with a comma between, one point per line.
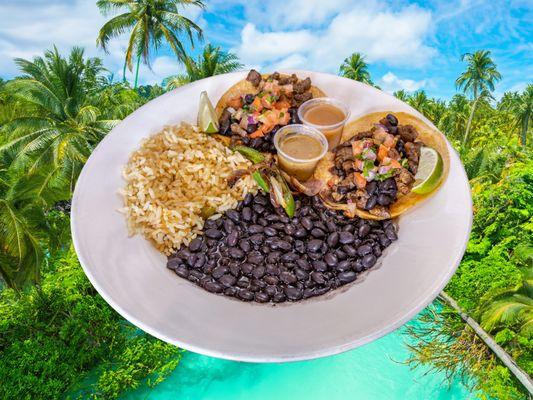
x=372, y=372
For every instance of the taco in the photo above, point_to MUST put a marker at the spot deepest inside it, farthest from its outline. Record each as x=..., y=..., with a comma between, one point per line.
x=252, y=110
x=371, y=173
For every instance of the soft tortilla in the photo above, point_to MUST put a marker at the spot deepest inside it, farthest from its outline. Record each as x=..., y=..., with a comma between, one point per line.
x=427, y=135
x=245, y=87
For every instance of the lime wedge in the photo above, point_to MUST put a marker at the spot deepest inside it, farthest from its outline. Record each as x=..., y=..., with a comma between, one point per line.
x=429, y=171
x=207, y=118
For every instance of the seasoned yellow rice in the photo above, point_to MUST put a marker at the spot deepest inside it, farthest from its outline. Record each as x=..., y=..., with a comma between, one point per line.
x=176, y=174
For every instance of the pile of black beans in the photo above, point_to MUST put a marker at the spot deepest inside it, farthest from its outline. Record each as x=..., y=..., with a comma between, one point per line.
x=256, y=253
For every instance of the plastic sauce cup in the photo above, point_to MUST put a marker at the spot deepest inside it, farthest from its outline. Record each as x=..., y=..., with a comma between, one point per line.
x=301, y=169
x=332, y=132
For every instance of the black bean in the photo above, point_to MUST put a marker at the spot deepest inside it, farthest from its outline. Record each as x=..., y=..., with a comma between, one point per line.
x=245, y=295
x=371, y=188
x=191, y=261
x=363, y=230
x=234, y=216
x=332, y=226
x=182, y=271
x=259, y=271
x=279, y=297
x=261, y=200
x=273, y=257
x=390, y=233
x=246, y=214
x=247, y=268
x=245, y=246
x=331, y=259
x=344, y=265
x=236, y=253
x=303, y=264
x=261, y=297
x=271, y=279
x=227, y=280
x=318, y=233
x=272, y=269
x=195, y=244
x=307, y=223
x=255, y=258
x=255, y=229
x=384, y=200
x=290, y=230
x=258, y=208
x=347, y=276
x=314, y=245
x=391, y=118
x=270, y=231
x=369, y=260
x=346, y=237
x=200, y=261
x=350, y=250
x=333, y=239
x=283, y=245
x=232, y=238
x=301, y=274
x=213, y=287
x=318, y=277
x=213, y=233
x=364, y=249
x=371, y=202
x=257, y=238
x=288, y=277
x=293, y=293
x=320, y=265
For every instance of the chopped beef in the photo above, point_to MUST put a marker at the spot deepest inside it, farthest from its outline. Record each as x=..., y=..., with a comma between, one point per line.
x=404, y=181
x=344, y=154
x=362, y=135
x=293, y=79
x=337, y=196
x=349, y=181
x=254, y=77
x=359, y=197
x=275, y=76
x=235, y=128
x=302, y=86
x=300, y=98
x=408, y=133
x=224, y=122
x=394, y=154
x=348, y=165
x=413, y=154
x=380, y=211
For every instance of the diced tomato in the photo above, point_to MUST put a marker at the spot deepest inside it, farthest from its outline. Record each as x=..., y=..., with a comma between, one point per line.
x=235, y=102
x=357, y=147
x=382, y=152
x=395, y=164
x=256, y=104
x=358, y=164
x=258, y=133
x=266, y=101
x=389, y=140
x=360, y=180
x=282, y=104
x=284, y=116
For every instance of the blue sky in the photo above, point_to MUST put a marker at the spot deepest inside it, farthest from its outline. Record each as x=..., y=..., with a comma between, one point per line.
x=409, y=45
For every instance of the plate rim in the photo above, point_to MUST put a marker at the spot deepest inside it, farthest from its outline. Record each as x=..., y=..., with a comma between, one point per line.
x=428, y=296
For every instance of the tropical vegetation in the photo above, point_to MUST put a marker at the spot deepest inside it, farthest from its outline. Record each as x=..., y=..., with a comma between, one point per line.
x=58, y=337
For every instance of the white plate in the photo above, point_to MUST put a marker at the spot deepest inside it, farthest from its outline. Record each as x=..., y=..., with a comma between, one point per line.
x=131, y=275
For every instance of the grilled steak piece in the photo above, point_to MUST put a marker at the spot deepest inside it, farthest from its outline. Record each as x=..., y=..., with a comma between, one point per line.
x=254, y=77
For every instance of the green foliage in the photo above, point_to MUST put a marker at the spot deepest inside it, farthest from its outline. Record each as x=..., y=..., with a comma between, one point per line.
x=51, y=336
x=212, y=61
x=355, y=67
x=150, y=23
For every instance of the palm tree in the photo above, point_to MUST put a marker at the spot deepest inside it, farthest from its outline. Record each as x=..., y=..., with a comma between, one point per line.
x=212, y=61
x=510, y=307
x=149, y=22
x=478, y=80
x=420, y=101
x=64, y=127
x=520, y=107
x=401, y=95
x=455, y=118
x=354, y=67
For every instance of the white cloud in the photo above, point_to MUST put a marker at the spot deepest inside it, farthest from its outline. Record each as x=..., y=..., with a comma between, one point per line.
x=25, y=34
x=391, y=83
x=393, y=37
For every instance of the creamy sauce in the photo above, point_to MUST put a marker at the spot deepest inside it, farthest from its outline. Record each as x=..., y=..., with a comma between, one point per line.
x=324, y=114
x=301, y=147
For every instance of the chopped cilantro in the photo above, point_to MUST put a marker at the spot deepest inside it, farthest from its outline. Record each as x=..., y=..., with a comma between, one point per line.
x=281, y=114
x=368, y=165
x=404, y=162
